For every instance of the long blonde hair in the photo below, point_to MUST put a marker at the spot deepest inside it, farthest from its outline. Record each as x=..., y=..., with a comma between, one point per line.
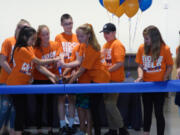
x=88, y=29
x=156, y=42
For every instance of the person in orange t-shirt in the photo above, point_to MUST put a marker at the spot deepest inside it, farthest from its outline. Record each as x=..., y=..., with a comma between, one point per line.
x=7, y=107
x=44, y=49
x=71, y=71
x=154, y=64
x=23, y=58
x=114, y=53
x=92, y=69
x=68, y=41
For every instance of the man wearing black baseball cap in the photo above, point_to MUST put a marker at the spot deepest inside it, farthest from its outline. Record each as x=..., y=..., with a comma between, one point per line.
x=114, y=53
x=109, y=27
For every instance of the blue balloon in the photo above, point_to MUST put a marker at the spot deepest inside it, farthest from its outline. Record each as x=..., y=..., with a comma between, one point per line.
x=144, y=4
x=121, y=1
x=101, y=2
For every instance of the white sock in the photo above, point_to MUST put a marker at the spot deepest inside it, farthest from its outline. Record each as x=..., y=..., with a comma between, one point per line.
x=62, y=123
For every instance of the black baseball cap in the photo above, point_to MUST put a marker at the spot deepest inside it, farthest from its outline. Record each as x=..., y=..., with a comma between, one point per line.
x=108, y=27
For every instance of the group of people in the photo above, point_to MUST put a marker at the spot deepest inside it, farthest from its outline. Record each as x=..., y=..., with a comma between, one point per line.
x=31, y=58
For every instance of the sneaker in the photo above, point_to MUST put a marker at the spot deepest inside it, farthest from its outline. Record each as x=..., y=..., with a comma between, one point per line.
x=123, y=131
x=62, y=131
x=111, y=132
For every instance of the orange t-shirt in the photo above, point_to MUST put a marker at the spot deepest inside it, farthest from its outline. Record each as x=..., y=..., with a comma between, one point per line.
x=114, y=52
x=154, y=71
x=68, y=42
x=22, y=70
x=52, y=51
x=6, y=50
x=93, y=62
x=75, y=50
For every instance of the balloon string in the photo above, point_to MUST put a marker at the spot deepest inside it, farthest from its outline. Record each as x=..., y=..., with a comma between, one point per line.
x=118, y=27
x=130, y=34
x=128, y=64
x=108, y=16
x=112, y=17
x=136, y=26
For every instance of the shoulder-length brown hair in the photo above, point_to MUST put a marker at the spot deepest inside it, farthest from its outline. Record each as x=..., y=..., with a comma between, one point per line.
x=156, y=41
x=39, y=30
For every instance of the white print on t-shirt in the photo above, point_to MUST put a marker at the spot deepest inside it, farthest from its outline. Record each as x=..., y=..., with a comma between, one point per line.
x=150, y=66
x=26, y=68
x=49, y=56
x=108, y=56
x=67, y=48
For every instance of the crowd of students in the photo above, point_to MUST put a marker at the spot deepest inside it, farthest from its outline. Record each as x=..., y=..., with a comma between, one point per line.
x=31, y=58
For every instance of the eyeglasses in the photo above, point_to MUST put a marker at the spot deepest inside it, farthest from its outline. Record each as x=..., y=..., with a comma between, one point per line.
x=67, y=24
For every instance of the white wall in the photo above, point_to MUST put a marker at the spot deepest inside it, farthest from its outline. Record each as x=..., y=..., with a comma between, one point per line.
x=49, y=11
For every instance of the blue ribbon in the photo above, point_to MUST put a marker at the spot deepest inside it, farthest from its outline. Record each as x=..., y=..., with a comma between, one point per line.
x=141, y=87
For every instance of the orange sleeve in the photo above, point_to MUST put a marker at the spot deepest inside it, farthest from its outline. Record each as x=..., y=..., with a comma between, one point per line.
x=27, y=54
x=6, y=48
x=139, y=56
x=119, y=53
x=57, y=39
x=89, y=58
x=168, y=56
x=104, y=46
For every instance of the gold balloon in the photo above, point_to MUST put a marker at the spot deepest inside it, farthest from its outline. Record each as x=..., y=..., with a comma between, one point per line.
x=131, y=7
x=120, y=10
x=111, y=5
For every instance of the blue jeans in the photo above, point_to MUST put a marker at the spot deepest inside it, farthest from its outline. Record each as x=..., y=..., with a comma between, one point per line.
x=7, y=111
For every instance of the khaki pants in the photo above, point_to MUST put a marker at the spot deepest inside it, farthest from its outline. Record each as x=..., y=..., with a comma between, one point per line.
x=114, y=117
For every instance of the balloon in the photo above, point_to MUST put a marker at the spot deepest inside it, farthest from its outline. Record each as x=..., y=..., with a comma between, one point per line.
x=121, y=1
x=131, y=7
x=111, y=5
x=101, y=2
x=120, y=11
x=144, y=4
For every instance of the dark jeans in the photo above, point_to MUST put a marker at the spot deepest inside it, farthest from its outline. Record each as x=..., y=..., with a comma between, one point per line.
x=20, y=103
x=130, y=108
x=156, y=100
x=7, y=111
x=42, y=108
x=95, y=102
